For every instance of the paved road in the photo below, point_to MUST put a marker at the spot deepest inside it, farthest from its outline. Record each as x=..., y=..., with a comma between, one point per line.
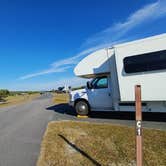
x=22, y=128
x=21, y=131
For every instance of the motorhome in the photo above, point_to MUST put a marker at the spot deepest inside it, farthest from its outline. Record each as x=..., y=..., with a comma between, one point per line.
x=115, y=71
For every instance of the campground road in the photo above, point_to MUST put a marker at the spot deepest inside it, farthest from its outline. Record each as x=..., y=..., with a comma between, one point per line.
x=22, y=128
x=21, y=131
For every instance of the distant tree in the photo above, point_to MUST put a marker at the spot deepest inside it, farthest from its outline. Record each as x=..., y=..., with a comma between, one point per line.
x=4, y=93
x=61, y=88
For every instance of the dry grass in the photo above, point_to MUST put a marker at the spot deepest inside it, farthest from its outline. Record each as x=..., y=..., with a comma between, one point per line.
x=61, y=98
x=18, y=99
x=70, y=143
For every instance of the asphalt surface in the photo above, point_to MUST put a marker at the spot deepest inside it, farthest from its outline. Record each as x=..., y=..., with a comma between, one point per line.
x=150, y=120
x=22, y=127
x=21, y=131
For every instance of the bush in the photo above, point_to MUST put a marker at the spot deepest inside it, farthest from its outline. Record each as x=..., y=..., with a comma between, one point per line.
x=4, y=93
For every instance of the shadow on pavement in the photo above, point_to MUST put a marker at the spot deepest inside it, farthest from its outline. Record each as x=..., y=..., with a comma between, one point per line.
x=147, y=116
x=63, y=109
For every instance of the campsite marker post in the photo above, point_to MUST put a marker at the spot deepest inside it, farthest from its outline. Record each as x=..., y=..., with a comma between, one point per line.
x=138, y=105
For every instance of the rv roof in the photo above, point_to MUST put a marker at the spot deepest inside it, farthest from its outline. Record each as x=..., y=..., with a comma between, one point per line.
x=97, y=62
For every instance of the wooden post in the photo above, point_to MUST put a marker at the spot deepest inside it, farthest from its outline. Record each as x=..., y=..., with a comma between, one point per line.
x=138, y=105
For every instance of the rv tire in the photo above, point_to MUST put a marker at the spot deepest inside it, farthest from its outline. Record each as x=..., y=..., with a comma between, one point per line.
x=82, y=108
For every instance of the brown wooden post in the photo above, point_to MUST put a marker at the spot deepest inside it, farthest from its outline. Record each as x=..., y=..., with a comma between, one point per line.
x=138, y=105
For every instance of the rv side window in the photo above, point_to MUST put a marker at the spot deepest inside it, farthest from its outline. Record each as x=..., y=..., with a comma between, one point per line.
x=101, y=82
x=145, y=62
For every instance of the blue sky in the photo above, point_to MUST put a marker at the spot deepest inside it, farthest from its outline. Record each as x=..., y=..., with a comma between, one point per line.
x=42, y=41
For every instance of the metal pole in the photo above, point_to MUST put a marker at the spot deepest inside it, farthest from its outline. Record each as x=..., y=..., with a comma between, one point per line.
x=139, y=156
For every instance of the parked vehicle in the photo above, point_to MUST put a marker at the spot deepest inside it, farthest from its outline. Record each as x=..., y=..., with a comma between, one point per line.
x=115, y=71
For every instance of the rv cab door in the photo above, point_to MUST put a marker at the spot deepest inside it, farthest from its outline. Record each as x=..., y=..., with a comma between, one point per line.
x=99, y=95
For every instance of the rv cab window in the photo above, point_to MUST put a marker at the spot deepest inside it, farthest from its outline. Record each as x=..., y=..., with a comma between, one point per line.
x=100, y=82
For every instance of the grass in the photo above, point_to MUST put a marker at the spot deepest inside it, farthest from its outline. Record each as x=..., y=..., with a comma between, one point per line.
x=18, y=99
x=61, y=98
x=69, y=143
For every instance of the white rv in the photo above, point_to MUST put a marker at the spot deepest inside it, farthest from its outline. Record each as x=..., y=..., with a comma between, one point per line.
x=115, y=71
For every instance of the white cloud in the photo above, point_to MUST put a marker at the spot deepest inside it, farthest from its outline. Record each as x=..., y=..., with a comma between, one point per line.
x=108, y=37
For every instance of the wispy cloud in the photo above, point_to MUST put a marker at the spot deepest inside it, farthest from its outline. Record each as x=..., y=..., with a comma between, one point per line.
x=109, y=36
x=61, y=65
x=56, y=67
x=141, y=17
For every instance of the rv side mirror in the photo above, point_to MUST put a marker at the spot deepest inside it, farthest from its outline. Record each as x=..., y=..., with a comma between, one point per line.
x=89, y=86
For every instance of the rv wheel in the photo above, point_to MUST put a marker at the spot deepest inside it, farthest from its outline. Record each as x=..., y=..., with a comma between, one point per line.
x=82, y=108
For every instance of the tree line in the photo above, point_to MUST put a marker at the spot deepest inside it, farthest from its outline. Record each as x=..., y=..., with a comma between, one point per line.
x=5, y=93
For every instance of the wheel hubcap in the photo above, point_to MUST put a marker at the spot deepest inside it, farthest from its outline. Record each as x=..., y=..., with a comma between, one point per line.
x=82, y=108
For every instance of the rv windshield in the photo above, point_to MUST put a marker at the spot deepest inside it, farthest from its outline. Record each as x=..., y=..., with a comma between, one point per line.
x=100, y=82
